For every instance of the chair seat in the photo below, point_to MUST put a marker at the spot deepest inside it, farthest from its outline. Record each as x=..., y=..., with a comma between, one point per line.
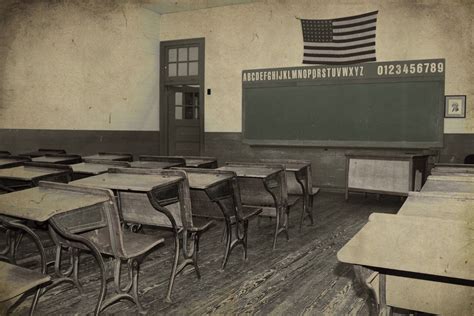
x=15, y=280
x=315, y=191
x=134, y=244
x=201, y=224
x=249, y=212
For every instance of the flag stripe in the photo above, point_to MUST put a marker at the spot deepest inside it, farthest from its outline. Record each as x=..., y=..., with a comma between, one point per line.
x=354, y=28
x=353, y=36
x=341, y=46
x=371, y=37
x=339, y=63
x=372, y=21
x=336, y=59
x=330, y=52
x=341, y=40
x=355, y=18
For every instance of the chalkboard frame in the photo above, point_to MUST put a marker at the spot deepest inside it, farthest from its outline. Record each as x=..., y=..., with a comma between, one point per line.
x=369, y=78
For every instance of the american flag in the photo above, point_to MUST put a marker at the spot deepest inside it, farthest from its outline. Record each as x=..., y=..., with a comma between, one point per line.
x=347, y=40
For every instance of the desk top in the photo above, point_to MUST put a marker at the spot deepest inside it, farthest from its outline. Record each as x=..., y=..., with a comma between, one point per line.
x=292, y=165
x=40, y=203
x=251, y=171
x=455, y=165
x=127, y=181
x=108, y=157
x=413, y=244
x=450, y=169
x=154, y=164
x=6, y=161
x=203, y=181
x=91, y=168
x=450, y=206
x=56, y=159
x=449, y=184
x=27, y=173
x=198, y=162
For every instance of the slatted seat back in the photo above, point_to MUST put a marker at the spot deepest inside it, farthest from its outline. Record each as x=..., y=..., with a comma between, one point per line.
x=179, y=161
x=99, y=223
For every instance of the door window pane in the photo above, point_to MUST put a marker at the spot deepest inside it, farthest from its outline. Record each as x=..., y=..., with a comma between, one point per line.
x=189, y=114
x=182, y=69
x=193, y=53
x=178, y=98
x=172, y=70
x=183, y=54
x=178, y=113
x=193, y=69
x=172, y=52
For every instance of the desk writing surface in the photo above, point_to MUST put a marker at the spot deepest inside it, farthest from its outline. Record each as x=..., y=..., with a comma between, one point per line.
x=203, y=181
x=127, y=181
x=449, y=169
x=106, y=157
x=448, y=184
x=251, y=171
x=439, y=205
x=5, y=161
x=153, y=164
x=90, y=168
x=39, y=203
x=53, y=159
x=197, y=162
x=414, y=244
x=27, y=173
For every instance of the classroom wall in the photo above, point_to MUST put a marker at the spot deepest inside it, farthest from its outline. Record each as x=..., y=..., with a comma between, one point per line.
x=267, y=34
x=85, y=66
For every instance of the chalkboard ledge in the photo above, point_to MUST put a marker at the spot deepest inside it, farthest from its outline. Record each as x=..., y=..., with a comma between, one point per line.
x=342, y=143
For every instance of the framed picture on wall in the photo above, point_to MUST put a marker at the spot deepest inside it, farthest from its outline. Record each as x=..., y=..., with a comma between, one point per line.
x=455, y=106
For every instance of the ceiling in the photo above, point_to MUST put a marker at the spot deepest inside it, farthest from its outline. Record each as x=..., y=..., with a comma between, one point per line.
x=171, y=6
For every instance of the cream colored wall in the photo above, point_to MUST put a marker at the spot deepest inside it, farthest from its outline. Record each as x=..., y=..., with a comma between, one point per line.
x=79, y=65
x=267, y=34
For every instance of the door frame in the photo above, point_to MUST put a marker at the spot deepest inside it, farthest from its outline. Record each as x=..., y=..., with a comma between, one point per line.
x=165, y=82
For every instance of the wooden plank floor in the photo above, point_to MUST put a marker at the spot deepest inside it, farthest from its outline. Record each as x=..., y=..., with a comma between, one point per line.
x=302, y=276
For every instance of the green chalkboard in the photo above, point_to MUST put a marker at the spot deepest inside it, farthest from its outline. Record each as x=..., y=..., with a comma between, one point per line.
x=401, y=112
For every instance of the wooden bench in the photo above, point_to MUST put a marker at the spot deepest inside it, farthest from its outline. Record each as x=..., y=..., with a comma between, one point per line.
x=15, y=281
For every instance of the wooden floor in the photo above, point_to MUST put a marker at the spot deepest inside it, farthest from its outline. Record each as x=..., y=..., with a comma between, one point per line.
x=302, y=276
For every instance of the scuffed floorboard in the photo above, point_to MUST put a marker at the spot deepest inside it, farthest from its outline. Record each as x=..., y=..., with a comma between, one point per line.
x=301, y=277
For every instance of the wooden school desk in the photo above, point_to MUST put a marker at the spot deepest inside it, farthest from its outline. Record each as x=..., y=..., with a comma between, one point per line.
x=300, y=170
x=91, y=167
x=157, y=198
x=40, y=204
x=264, y=186
x=222, y=191
x=12, y=161
x=43, y=151
x=62, y=159
x=111, y=156
x=394, y=174
x=458, y=184
x=200, y=162
x=442, y=205
x=30, y=173
x=424, y=264
x=158, y=162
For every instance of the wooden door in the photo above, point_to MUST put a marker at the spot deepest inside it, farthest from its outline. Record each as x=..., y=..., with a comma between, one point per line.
x=184, y=128
x=182, y=97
